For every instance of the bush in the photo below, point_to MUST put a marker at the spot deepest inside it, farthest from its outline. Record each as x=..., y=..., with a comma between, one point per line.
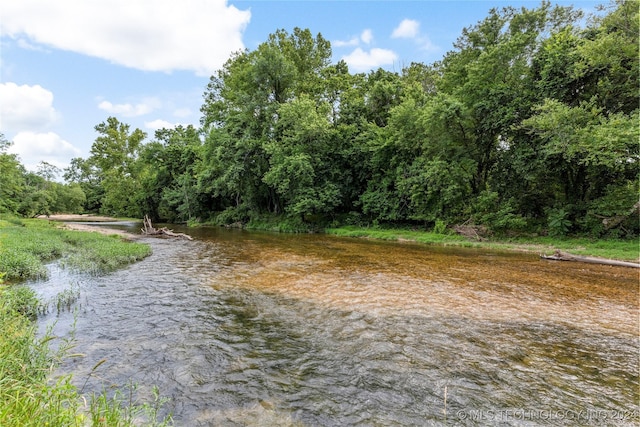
x=440, y=227
x=497, y=215
x=231, y=215
x=558, y=222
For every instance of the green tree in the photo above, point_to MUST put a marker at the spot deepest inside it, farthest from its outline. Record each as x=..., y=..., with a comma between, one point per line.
x=241, y=116
x=490, y=75
x=11, y=178
x=530, y=120
x=300, y=160
x=69, y=198
x=580, y=153
x=36, y=198
x=589, y=154
x=110, y=176
x=168, y=175
x=85, y=174
x=609, y=58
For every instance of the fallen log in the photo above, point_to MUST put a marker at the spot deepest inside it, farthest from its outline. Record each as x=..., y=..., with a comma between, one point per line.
x=564, y=256
x=149, y=230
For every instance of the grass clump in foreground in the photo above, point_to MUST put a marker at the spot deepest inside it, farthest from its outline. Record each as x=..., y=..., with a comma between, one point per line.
x=25, y=245
x=27, y=395
x=619, y=249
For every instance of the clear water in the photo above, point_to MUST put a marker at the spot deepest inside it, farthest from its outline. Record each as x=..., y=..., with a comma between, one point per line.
x=241, y=328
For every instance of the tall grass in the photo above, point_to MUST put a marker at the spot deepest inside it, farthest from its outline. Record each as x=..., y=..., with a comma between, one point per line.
x=28, y=397
x=626, y=250
x=279, y=224
x=26, y=245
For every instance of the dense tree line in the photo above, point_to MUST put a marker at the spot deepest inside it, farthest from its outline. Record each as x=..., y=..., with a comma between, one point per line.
x=529, y=123
x=34, y=193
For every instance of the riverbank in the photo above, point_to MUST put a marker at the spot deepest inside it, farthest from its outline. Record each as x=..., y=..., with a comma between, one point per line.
x=27, y=244
x=71, y=222
x=29, y=396
x=79, y=217
x=621, y=250
x=614, y=249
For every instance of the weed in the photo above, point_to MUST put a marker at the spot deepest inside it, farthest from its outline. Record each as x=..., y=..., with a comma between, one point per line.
x=67, y=298
x=440, y=227
x=27, y=395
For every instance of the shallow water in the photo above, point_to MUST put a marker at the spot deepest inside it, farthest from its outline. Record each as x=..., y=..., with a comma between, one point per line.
x=241, y=328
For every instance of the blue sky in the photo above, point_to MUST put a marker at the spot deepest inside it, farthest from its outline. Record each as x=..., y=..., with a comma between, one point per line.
x=67, y=65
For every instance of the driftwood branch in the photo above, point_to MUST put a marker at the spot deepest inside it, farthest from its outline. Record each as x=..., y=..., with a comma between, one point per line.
x=610, y=222
x=149, y=230
x=564, y=256
x=471, y=231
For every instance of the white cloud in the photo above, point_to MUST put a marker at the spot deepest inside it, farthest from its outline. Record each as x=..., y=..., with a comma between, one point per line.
x=24, y=44
x=355, y=41
x=426, y=44
x=160, y=124
x=163, y=35
x=366, y=36
x=408, y=29
x=25, y=108
x=130, y=110
x=359, y=60
x=32, y=148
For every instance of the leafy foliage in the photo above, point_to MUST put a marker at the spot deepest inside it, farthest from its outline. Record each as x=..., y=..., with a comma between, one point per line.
x=529, y=123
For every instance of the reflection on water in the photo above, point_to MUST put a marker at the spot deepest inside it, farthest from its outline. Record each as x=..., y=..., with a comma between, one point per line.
x=243, y=328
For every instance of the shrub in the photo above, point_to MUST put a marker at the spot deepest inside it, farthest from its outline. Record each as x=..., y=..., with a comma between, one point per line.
x=558, y=222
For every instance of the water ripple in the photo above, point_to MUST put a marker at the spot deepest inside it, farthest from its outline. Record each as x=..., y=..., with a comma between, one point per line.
x=258, y=329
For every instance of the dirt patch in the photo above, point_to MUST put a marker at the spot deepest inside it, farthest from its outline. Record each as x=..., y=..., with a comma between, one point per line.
x=101, y=230
x=78, y=217
x=63, y=218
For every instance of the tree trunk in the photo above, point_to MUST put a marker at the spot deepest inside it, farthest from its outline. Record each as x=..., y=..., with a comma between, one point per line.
x=564, y=256
x=149, y=230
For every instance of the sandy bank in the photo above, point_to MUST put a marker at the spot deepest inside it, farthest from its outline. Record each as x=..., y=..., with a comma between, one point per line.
x=64, y=218
x=78, y=217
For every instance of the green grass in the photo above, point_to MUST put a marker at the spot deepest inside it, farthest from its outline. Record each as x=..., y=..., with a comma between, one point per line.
x=26, y=245
x=400, y=234
x=618, y=249
x=28, y=397
x=279, y=224
x=625, y=250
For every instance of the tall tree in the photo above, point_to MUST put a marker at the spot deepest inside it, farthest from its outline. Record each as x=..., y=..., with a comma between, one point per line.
x=242, y=111
x=167, y=175
x=110, y=174
x=489, y=74
x=11, y=178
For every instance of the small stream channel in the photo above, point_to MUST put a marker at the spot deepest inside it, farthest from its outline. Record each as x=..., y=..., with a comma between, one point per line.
x=243, y=328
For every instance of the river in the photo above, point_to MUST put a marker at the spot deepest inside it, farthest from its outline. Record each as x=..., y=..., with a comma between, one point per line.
x=242, y=328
